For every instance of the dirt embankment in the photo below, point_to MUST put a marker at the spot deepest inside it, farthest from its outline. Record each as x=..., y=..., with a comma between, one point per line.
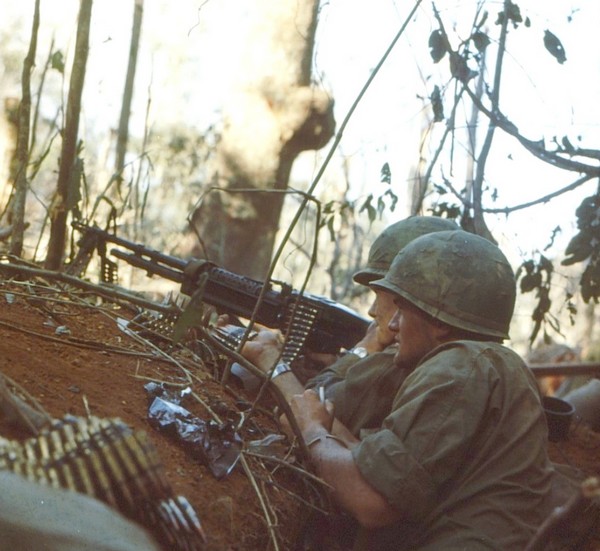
x=67, y=351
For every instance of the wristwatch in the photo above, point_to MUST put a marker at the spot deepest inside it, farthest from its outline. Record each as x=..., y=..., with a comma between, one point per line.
x=359, y=351
x=280, y=368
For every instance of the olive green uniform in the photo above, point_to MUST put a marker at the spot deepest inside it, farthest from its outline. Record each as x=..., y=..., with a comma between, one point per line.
x=362, y=390
x=37, y=517
x=462, y=454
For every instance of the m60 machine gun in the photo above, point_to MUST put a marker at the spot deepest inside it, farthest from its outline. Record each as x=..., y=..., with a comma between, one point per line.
x=310, y=322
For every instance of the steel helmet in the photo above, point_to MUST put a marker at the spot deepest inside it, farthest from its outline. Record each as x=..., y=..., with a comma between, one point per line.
x=457, y=277
x=393, y=239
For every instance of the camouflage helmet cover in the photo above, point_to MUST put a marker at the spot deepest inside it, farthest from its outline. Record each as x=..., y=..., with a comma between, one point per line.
x=393, y=239
x=457, y=277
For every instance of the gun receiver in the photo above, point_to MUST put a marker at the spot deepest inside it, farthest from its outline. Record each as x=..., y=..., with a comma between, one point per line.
x=310, y=322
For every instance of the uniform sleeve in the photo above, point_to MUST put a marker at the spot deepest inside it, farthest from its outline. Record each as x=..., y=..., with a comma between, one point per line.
x=427, y=436
x=35, y=516
x=333, y=375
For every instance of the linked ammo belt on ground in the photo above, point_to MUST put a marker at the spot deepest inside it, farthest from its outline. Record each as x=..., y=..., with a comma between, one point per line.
x=106, y=459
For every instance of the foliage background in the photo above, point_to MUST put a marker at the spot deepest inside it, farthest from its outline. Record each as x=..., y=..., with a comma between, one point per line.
x=188, y=64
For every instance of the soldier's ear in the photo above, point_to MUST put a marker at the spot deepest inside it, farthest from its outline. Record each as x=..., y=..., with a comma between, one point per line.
x=442, y=331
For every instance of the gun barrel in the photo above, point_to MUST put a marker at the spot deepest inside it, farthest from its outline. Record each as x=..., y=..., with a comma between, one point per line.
x=138, y=250
x=151, y=267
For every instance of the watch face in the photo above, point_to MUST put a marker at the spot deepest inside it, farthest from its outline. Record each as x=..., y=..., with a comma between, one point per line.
x=359, y=351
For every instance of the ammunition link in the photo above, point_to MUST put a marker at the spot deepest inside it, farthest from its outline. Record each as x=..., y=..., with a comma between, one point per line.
x=106, y=459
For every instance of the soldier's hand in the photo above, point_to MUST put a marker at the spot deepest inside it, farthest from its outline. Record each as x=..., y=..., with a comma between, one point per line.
x=311, y=413
x=264, y=349
x=372, y=342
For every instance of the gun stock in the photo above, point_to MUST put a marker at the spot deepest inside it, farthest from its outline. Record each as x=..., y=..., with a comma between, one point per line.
x=310, y=322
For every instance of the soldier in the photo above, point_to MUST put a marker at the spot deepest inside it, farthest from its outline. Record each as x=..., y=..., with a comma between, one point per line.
x=460, y=459
x=363, y=374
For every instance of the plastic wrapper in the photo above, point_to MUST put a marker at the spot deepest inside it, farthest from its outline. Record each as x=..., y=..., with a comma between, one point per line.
x=215, y=445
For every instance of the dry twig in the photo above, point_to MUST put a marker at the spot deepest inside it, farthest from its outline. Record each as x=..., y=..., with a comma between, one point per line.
x=562, y=524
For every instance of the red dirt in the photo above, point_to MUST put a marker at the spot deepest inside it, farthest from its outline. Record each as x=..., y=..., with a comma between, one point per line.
x=580, y=450
x=99, y=365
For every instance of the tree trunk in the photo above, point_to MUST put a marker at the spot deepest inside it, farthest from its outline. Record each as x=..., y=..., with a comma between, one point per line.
x=22, y=153
x=274, y=115
x=123, y=133
x=9, y=127
x=68, y=180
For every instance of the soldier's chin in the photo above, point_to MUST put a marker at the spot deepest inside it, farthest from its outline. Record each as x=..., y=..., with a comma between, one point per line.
x=384, y=343
x=399, y=359
x=403, y=362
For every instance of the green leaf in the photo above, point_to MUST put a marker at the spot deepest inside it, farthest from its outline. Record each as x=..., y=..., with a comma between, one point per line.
x=529, y=282
x=534, y=333
x=590, y=282
x=393, y=197
x=459, y=68
x=554, y=46
x=553, y=323
x=481, y=41
x=543, y=305
x=380, y=206
x=588, y=212
x=371, y=211
x=546, y=265
x=568, y=145
x=57, y=61
x=328, y=207
x=331, y=228
x=528, y=266
x=386, y=174
x=438, y=45
x=578, y=249
x=193, y=314
x=451, y=211
x=437, y=104
x=513, y=13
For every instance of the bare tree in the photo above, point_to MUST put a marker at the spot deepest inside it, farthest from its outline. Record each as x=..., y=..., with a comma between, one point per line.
x=22, y=153
x=465, y=62
x=276, y=115
x=70, y=169
x=123, y=131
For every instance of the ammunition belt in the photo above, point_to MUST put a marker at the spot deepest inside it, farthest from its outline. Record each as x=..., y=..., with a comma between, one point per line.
x=298, y=323
x=300, y=318
x=106, y=459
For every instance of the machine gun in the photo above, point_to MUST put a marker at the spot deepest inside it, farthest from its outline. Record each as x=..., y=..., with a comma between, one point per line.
x=310, y=322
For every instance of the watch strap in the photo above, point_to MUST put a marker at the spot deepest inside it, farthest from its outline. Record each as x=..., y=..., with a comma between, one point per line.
x=280, y=368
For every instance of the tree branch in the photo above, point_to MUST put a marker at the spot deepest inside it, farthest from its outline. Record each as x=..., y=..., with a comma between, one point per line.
x=16, y=270
x=560, y=521
x=438, y=152
x=478, y=220
x=535, y=148
x=544, y=199
x=23, y=138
